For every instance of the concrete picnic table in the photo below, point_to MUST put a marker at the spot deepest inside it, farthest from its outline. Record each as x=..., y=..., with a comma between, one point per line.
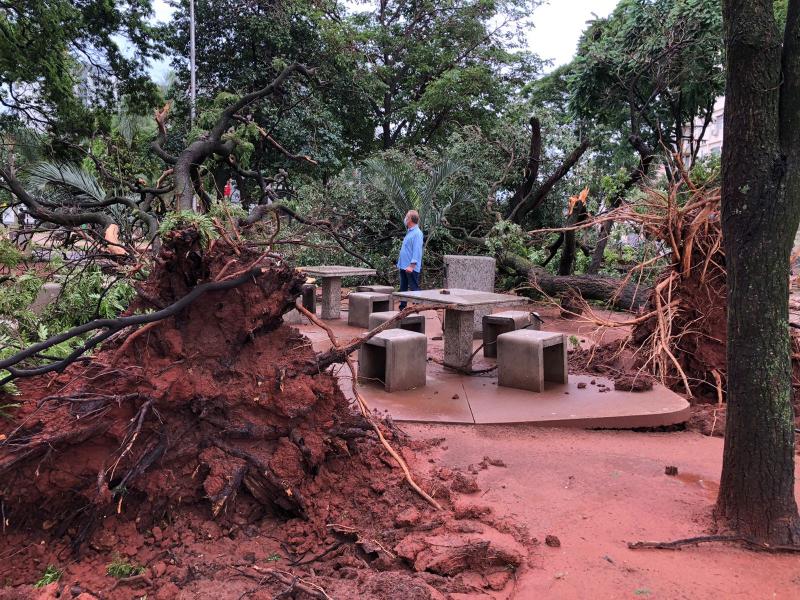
x=331, y=276
x=459, y=325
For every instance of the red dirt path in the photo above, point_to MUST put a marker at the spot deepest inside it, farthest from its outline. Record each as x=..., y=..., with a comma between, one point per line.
x=598, y=490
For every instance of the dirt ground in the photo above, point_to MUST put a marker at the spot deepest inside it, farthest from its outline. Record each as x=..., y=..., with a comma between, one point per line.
x=598, y=490
x=528, y=512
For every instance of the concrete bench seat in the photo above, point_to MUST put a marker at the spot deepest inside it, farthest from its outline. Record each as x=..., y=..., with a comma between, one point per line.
x=527, y=358
x=503, y=322
x=409, y=323
x=362, y=304
x=396, y=357
x=380, y=289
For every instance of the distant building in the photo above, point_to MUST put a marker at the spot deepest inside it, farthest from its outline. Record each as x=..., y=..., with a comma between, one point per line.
x=711, y=144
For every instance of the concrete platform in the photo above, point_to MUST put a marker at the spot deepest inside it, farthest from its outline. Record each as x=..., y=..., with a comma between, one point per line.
x=450, y=397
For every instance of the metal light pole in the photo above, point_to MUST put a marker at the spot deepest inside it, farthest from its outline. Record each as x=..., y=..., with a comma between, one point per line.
x=192, y=90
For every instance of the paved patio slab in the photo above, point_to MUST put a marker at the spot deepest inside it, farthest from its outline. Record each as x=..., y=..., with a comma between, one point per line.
x=567, y=405
x=449, y=397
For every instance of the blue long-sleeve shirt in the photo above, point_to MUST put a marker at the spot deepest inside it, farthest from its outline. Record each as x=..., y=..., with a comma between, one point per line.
x=411, y=250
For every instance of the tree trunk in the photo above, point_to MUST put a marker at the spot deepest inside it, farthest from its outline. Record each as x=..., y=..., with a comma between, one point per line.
x=535, y=198
x=566, y=265
x=591, y=287
x=531, y=172
x=760, y=214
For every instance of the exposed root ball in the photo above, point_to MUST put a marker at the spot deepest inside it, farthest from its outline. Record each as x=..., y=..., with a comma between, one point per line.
x=195, y=408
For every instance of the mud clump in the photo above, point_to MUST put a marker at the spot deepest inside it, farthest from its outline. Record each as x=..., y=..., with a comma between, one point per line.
x=207, y=450
x=633, y=383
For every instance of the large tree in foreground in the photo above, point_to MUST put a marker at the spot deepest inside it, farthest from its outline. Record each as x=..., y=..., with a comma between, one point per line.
x=760, y=214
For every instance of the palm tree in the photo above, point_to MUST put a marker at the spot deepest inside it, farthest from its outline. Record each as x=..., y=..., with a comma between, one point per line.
x=399, y=186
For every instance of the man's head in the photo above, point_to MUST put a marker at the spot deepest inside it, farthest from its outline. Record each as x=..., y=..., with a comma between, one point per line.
x=411, y=219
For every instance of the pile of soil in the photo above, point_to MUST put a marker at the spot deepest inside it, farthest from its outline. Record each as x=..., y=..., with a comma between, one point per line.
x=208, y=450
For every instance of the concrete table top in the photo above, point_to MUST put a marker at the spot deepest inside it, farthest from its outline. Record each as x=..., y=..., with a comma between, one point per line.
x=331, y=276
x=459, y=324
x=324, y=271
x=463, y=299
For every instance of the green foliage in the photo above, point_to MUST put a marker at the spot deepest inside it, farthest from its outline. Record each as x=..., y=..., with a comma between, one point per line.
x=51, y=575
x=506, y=238
x=120, y=568
x=406, y=190
x=10, y=256
x=60, y=39
x=707, y=171
x=186, y=218
x=18, y=293
x=450, y=65
x=650, y=67
x=56, y=179
x=227, y=213
x=89, y=295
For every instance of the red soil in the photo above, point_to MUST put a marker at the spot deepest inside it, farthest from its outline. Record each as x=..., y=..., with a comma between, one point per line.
x=598, y=490
x=207, y=449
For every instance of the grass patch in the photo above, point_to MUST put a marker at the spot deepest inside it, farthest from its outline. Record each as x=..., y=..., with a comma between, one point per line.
x=51, y=574
x=120, y=569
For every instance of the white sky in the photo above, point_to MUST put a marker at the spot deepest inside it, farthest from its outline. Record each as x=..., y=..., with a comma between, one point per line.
x=558, y=25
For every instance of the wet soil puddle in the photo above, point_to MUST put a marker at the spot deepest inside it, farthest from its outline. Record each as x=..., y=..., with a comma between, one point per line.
x=694, y=480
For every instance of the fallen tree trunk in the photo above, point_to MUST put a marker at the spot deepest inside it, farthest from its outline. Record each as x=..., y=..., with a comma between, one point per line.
x=617, y=293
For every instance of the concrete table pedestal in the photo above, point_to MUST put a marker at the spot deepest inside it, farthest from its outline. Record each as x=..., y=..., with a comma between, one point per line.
x=331, y=276
x=459, y=330
x=331, y=297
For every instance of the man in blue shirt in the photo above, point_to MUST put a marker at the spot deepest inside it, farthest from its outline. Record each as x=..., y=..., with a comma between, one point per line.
x=410, y=261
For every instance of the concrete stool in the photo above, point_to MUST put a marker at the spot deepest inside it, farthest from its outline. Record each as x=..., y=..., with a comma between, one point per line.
x=396, y=357
x=310, y=297
x=381, y=289
x=410, y=323
x=526, y=359
x=503, y=322
x=363, y=304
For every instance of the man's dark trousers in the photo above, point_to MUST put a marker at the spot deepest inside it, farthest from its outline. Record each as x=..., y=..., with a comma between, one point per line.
x=409, y=282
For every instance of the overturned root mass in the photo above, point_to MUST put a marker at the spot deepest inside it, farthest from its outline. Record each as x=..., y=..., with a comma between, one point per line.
x=214, y=428
x=196, y=407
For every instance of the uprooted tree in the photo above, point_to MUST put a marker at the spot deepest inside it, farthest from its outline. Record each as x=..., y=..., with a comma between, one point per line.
x=202, y=401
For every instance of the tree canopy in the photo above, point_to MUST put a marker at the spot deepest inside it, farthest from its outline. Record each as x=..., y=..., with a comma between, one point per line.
x=62, y=59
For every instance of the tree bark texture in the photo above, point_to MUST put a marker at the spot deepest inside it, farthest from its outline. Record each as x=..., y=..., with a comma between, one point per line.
x=760, y=215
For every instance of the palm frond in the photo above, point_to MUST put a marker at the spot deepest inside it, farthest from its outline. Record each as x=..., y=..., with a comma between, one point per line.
x=44, y=176
x=127, y=126
x=443, y=171
x=28, y=144
x=391, y=182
